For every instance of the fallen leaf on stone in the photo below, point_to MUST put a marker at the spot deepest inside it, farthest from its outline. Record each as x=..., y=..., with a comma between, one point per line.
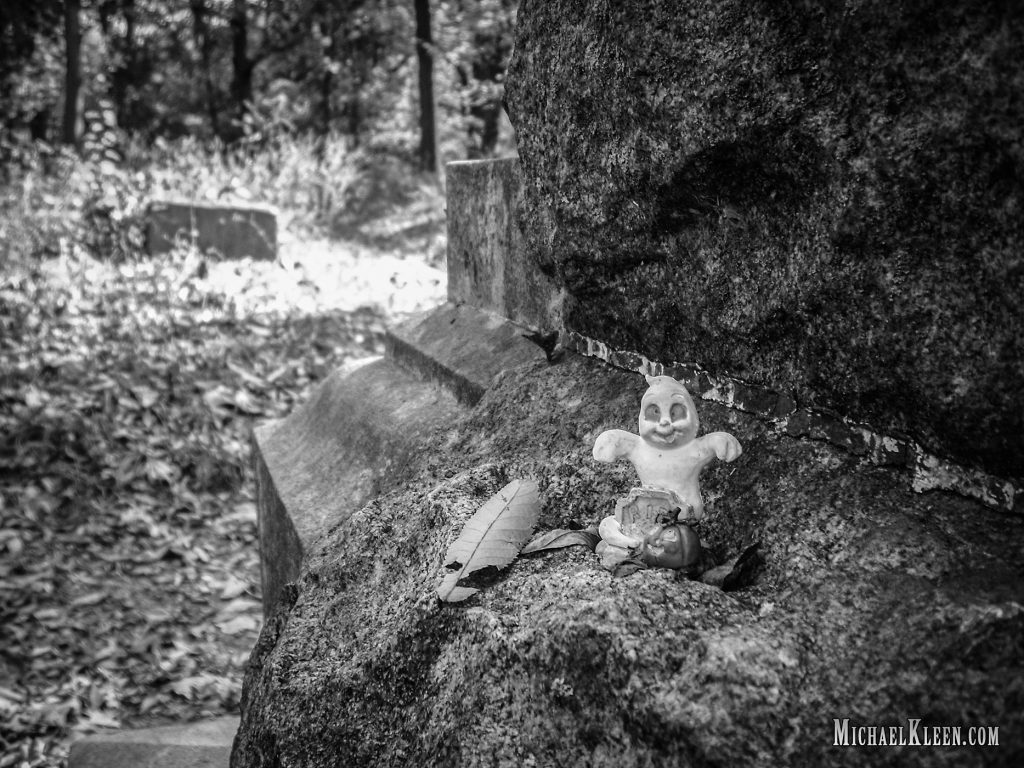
x=492, y=537
x=562, y=537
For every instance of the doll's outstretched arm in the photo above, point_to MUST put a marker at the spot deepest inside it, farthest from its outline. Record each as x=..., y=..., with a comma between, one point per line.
x=614, y=444
x=720, y=445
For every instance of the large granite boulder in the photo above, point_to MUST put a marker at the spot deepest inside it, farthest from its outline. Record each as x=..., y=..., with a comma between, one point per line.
x=874, y=604
x=819, y=196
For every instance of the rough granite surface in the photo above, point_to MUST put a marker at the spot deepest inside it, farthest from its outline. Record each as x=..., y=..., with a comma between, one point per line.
x=874, y=604
x=825, y=197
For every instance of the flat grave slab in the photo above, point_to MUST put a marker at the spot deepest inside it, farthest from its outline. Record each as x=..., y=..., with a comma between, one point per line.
x=202, y=744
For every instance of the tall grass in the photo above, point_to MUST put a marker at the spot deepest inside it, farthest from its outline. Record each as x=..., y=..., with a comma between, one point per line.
x=51, y=198
x=305, y=177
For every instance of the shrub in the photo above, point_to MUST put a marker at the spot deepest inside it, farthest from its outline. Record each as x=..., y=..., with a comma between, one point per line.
x=319, y=186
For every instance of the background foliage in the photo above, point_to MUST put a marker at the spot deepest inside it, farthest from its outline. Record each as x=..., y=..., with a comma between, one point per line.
x=311, y=105
x=129, y=584
x=229, y=68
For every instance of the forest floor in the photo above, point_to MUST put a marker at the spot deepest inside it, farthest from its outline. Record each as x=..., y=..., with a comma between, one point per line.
x=129, y=575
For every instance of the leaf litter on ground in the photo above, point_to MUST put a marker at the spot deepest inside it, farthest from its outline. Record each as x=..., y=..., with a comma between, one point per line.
x=129, y=577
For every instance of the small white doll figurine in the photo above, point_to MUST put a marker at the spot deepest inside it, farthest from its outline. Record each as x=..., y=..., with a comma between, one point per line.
x=667, y=454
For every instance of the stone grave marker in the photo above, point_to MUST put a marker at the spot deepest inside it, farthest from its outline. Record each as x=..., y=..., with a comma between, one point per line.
x=875, y=602
x=228, y=231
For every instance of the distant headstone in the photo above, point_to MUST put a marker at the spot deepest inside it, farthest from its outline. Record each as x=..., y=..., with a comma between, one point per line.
x=231, y=232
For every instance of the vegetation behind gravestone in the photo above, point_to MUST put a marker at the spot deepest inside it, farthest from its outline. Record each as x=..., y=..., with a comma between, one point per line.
x=318, y=186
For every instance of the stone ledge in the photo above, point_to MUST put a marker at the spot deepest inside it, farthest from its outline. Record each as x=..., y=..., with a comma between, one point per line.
x=340, y=449
x=460, y=347
x=929, y=472
x=202, y=744
x=333, y=454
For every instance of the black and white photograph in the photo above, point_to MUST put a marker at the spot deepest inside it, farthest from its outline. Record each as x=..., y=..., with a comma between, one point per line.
x=511, y=383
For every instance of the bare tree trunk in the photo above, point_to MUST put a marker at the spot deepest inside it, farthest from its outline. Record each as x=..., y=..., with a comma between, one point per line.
x=205, y=43
x=73, y=69
x=424, y=55
x=126, y=74
x=241, y=82
x=328, y=30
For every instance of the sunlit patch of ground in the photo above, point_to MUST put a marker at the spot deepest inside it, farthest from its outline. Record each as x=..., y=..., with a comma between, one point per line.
x=129, y=578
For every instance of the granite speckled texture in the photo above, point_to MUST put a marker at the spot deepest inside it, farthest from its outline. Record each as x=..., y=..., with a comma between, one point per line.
x=487, y=263
x=351, y=440
x=874, y=603
x=825, y=198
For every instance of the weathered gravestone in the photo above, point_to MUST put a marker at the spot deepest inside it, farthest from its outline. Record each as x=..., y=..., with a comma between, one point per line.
x=229, y=231
x=487, y=263
x=877, y=605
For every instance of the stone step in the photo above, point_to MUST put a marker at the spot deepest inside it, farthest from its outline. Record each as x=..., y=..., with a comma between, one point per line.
x=460, y=347
x=334, y=453
x=202, y=744
x=353, y=439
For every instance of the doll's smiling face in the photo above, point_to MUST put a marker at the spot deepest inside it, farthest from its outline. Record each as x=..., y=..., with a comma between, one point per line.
x=667, y=416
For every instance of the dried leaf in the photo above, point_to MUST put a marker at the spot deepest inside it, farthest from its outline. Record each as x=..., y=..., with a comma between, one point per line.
x=563, y=537
x=95, y=720
x=92, y=598
x=627, y=567
x=240, y=605
x=147, y=396
x=239, y=624
x=233, y=587
x=491, y=537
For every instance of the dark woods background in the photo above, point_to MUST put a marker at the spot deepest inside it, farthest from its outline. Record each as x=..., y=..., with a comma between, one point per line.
x=234, y=69
x=344, y=102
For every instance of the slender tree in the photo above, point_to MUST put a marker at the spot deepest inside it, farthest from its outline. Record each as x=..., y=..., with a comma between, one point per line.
x=72, y=69
x=204, y=42
x=128, y=74
x=425, y=58
x=243, y=64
